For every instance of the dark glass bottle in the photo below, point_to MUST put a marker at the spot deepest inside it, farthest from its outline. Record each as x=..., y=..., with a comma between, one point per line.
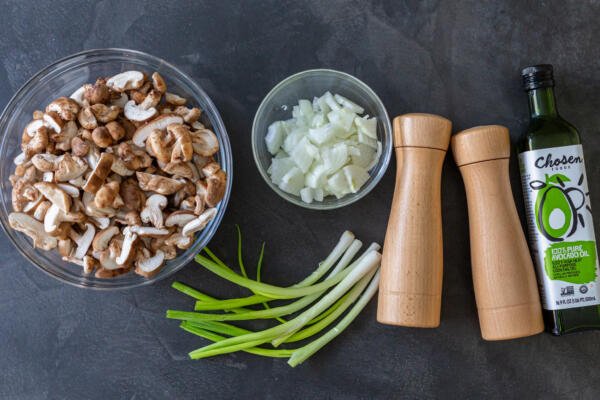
x=561, y=231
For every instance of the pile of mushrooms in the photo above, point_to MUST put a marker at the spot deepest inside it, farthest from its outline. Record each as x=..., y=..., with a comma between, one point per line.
x=118, y=176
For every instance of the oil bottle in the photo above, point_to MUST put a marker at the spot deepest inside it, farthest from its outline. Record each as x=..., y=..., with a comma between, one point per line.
x=558, y=212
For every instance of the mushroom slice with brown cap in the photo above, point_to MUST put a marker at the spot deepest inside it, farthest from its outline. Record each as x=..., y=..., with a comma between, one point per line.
x=26, y=224
x=158, y=83
x=102, y=238
x=69, y=168
x=161, y=122
x=160, y=144
x=158, y=243
x=179, y=218
x=65, y=247
x=181, y=169
x=138, y=112
x=33, y=204
x=205, y=142
x=182, y=242
x=37, y=144
x=157, y=183
x=148, y=231
x=108, y=196
x=150, y=266
x=211, y=168
x=172, y=98
x=132, y=195
x=120, y=101
x=190, y=115
x=41, y=209
x=182, y=148
x=119, y=168
x=104, y=113
x=215, y=188
x=64, y=138
x=86, y=118
x=33, y=127
x=45, y=162
x=65, y=107
x=97, y=93
x=53, y=121
x=126, y=81
x=69, y=189
x=151, y=100
x=92, y=210
x=99, y=174
x=107, y=257
x=55, y=216
x=200, y=222
x=104, y=273
x=56, y=195
x=152, y=212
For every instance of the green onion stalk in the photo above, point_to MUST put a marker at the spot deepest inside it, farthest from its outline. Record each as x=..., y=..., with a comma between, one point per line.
x=349, y=285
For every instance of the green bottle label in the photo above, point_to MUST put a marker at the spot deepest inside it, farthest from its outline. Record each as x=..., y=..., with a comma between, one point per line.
x=561, y=230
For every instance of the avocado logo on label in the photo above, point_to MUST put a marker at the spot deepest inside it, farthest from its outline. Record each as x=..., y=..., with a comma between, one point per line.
x=557, y=206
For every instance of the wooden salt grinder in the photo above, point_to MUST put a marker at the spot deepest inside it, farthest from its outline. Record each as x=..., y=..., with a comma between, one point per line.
x=410, y=290
x=506, y=293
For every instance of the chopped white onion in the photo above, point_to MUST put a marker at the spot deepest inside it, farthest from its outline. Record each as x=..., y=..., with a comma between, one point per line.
x=326, y=148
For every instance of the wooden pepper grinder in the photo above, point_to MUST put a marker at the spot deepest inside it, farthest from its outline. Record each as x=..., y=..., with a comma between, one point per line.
x=410, y=290
x=506, y=293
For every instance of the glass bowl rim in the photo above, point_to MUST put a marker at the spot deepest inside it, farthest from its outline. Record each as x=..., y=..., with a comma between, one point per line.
x=385, y=155
x=227, y=162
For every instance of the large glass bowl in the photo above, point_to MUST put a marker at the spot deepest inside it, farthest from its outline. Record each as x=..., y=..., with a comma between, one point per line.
x=277, y=106
x=61, y=79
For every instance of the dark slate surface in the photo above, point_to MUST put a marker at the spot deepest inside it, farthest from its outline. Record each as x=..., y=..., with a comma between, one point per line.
x=457, y=58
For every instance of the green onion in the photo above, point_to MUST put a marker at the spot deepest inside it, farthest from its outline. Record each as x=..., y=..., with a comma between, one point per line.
x=316, y=303
x=303, y=353
x=368, y=263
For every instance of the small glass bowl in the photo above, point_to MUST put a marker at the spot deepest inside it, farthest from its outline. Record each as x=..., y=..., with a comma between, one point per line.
x=61, y=79
x=277, y=106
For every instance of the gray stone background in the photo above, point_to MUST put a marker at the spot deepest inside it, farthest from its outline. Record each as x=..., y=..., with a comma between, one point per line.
x=460, y=59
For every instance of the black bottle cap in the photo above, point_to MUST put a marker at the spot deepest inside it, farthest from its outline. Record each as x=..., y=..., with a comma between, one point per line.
x=537, y=76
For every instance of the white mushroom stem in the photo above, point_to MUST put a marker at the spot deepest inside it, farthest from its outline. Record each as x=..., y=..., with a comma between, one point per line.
x=127, y=247
x=101, y=222
x=85, y=241
x=199, y=223
x=148, y=231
